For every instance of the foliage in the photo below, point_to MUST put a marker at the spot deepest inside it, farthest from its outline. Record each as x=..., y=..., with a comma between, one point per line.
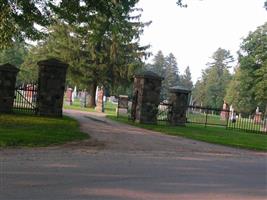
x=210, y=90
x=25, y=130
x=159, y=65
x=167, y=68
x=18, y=20
x=14, y=55
x=186, y=79
x=250, y=79
x=102, y=48
x=171, y=73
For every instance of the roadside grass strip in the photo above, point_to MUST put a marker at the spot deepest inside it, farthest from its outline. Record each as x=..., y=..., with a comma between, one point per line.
x=211, y=134
x=32, y=131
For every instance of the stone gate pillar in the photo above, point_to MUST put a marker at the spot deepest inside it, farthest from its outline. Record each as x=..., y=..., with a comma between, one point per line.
x=8, y=75
x=179, y=98
x=51, y=86
x=146, y=97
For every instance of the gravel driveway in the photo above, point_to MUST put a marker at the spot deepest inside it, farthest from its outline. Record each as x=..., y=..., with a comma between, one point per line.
x=127, y=163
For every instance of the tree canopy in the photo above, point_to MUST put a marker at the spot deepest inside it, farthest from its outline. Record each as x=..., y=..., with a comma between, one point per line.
x=167, y=68
x=101, y=48
x=248, y=89
x=19, y=20
x=211, y=88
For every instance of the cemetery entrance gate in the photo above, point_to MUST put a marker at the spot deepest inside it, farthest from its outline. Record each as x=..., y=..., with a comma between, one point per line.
x=25, y=99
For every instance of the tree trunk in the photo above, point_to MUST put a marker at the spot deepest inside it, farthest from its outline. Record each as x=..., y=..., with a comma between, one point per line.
x=91, y=95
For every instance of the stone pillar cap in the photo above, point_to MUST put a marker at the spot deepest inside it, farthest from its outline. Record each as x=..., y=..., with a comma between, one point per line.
x=179, y=89
x=148, y=74
x=52, y=62
x=8, y=67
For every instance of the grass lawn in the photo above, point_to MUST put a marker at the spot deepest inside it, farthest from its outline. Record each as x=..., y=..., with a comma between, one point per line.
x=110, y=108
x=77, y=106
x=211, y=134
x=26, y=130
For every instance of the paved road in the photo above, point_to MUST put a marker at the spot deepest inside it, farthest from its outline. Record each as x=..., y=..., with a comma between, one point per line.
x=127, y=163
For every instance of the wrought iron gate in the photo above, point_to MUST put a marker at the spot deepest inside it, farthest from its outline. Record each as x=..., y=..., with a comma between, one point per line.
x=25, y=100
x=164, y=110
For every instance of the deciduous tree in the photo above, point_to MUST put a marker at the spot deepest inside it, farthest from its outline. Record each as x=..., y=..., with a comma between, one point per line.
x=250, y=80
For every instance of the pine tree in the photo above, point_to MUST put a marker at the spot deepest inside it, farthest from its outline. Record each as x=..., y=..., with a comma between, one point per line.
x=103, y=51
x=214, y=80
x=159, y=64
x=186, y=80
x=171, y=77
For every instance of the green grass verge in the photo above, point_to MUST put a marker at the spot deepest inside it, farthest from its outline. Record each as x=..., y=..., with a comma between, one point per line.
x=211, y=134
x=26, y=130
x=77, y=106
x=110, y=108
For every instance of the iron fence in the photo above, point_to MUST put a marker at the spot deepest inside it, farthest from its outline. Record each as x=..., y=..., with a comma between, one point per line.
x=163, y=112
x=207, y=116
x=256, y=123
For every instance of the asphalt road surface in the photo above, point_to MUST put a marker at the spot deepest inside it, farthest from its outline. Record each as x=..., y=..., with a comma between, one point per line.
x=128, y=163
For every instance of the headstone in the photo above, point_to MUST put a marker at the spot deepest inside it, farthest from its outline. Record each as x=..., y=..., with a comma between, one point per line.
x=179, y=100
x=30, y=92
x=8, y=74
x=146, y=97
x=122, y=105
x=225, y=111
x=100, y=100
x=51, y=87
x=83, y=97
x=68, y=98
x=74, y=94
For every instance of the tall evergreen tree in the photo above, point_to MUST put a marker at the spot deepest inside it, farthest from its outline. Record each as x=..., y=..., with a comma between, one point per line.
x=167, y=68
x=104, y=51
x=159, y=64
x=214, y=80
x=171, y=76
x=186, y=79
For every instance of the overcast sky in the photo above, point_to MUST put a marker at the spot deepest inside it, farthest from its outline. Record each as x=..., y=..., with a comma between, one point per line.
x=193, y=34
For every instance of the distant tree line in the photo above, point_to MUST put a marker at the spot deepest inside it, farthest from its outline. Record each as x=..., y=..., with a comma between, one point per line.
x=167, y=68
x=246, y=89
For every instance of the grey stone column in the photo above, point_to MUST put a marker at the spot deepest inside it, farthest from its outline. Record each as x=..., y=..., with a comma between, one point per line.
x=51, y=86
x=146, y=97
x=179, y=98
x=8, y=75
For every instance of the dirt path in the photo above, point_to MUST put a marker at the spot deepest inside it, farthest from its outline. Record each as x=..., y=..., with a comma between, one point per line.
x=124, y=138
x=122, y=162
